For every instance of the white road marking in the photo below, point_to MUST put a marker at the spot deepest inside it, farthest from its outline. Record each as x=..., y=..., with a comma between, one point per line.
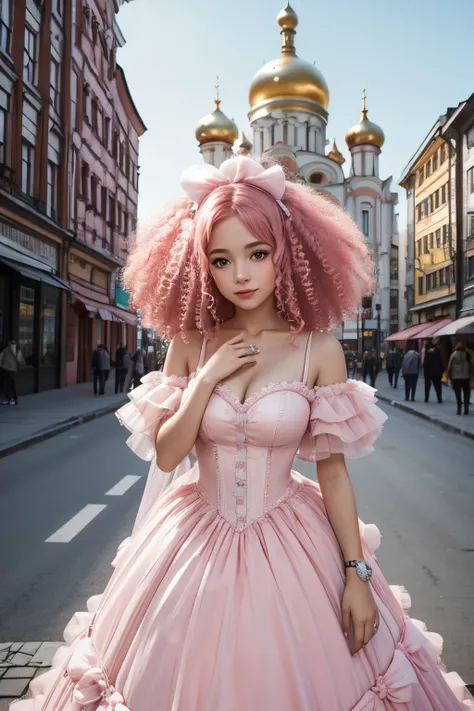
x=66, y=533
x=123, y=485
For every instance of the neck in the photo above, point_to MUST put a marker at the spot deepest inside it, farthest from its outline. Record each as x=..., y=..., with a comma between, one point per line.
x=263, y=318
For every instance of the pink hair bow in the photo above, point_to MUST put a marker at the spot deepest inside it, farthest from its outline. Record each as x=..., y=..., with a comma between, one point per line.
x=198, y=181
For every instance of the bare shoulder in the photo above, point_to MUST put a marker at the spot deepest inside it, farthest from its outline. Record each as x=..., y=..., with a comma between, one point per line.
x=183, y=354
x=327, y=362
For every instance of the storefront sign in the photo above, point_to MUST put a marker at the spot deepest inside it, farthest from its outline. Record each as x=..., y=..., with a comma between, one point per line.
x=122, y=297
x=45, y=251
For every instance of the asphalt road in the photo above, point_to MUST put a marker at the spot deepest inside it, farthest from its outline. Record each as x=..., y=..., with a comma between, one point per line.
x=418, y=488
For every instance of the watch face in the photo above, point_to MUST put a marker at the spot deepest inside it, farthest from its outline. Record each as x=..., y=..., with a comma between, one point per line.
x=364, y=570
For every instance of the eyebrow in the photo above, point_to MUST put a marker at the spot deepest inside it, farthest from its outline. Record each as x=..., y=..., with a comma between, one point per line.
x=251, y=245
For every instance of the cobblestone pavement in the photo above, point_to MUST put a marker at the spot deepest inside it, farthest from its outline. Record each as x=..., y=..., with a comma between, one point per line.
x=20, y=662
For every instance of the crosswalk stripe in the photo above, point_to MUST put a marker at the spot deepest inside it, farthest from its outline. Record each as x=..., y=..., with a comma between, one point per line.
x=66, y=533
x=123, y=485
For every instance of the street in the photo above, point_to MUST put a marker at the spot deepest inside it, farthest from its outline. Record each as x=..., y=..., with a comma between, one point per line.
x=418, y=488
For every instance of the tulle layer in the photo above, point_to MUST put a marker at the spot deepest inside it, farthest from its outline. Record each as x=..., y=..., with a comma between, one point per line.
x=344, y=420
x=154, y=401
x=192, y=604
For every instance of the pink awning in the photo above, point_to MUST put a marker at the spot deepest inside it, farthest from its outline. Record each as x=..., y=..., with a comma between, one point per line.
x=407, y=333
x=125, y=316
x=432, y=327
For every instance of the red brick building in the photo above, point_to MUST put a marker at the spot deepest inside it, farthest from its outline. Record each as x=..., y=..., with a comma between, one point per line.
x=68, y=186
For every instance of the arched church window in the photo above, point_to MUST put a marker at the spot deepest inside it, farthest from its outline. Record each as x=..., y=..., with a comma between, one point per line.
x=316, y=178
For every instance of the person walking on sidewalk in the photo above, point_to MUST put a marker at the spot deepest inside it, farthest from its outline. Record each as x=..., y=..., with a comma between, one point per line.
x=122, y=361
x=411, y=370
x=9, y=362
x=138, y=359
x=459, y=373
x=370, y=367
x=100, y=368
x=393, y=366
x=433, y=370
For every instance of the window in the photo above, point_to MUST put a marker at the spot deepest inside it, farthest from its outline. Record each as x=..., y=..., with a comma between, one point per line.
x=73, y=100
x=431, y=240
x=471, y=231
x=442, y=276
x=58, y=6
x=434, y=280
x=27, y=168
x=52, y=193
x=112, y=211
x=126, y=224
x=420, y=285
x=431, y=203
x=425, y=244
x=85, y=103
x=29, y=59
x=54, y=85
x=438, y=238
x=434, y=162
x=3, y=133
x=428, y=169
x=115, y=146
x=26, y=323
x=365, y=222
x=470, y=267
x=436, y=199
x=5, y=24
x=445, y=234
x=48, y=341
x=418, y=247
x=442, y=153
x=94, y=115
x=107, y=132
x=421, y=175
x=428, y=281
x=418, y=213
x=94, y=188
x=103, y=202
x=316, y=178
x=121, y=156
x=85, y=181
x=443, y=194
x=470, y=180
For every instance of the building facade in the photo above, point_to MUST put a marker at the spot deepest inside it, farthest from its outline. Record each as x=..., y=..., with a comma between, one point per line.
x=289, y=111
x=60, y=251
x=439, y=181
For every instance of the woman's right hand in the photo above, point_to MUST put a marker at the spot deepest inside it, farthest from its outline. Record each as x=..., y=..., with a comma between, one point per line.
x=231, y=356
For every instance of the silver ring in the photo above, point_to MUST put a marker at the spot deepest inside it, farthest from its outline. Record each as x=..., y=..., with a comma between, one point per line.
x=375, y=627
x=253, y=348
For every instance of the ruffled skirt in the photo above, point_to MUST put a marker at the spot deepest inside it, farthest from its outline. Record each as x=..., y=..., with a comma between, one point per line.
x=200, y=617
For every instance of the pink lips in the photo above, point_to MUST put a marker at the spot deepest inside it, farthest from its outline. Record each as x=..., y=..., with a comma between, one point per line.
x=245, y=294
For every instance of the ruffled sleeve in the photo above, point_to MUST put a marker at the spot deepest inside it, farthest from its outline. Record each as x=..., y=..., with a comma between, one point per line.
x=153, y=402
x=344, y=420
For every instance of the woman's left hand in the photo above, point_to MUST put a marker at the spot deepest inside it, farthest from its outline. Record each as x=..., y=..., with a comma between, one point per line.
x=358, y=606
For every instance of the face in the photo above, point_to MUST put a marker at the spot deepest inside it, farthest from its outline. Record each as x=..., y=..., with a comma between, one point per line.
x=241, y=264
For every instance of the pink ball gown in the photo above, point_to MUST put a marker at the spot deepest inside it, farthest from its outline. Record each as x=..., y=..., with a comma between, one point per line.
x=227, y=596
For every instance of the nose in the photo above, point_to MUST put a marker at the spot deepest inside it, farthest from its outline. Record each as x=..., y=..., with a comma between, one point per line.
x=241, y=274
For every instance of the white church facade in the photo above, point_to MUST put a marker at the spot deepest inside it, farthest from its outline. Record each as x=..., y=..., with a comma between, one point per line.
x=289, y=101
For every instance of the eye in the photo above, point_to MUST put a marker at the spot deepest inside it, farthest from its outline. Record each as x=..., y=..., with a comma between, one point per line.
x=220, y=262
x=261, y=254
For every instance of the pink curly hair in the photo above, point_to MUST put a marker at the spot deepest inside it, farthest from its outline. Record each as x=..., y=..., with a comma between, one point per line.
x=323, y=266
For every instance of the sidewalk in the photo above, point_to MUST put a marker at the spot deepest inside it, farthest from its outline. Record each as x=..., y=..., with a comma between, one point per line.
x=443, y=415
x=44, y=415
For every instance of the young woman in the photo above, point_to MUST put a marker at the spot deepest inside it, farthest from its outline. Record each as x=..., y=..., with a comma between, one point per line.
x=246, y=586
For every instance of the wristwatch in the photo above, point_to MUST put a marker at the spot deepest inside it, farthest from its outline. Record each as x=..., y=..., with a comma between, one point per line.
x=363, y=569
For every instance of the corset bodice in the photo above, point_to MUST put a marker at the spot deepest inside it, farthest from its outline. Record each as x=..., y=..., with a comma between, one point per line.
x=245, y=452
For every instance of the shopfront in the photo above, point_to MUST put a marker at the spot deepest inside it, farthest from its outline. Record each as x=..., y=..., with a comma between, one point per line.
x=30, y=314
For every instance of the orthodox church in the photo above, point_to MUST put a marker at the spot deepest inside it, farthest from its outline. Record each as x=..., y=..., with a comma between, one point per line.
x=289, y=102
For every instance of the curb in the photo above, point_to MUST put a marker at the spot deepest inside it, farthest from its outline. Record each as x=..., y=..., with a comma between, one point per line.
x=58, y=429
x=431, y=418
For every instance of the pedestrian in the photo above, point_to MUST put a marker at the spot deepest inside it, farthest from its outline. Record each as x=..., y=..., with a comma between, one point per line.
x=100, y=368
x=393, y=365
x=411, y=369
x=460, y=372
x=122, y=361
x=370, y=367
x=433, y=370
x=245, y=585
x=10, y=359
x=138, y=360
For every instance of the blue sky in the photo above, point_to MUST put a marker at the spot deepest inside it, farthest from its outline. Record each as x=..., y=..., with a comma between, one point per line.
x=414, y=58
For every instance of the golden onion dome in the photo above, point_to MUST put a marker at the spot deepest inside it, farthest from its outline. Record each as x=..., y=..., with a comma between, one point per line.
x=288, y=82
x=216, y=127
x=365, y=132
x=335, y=154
